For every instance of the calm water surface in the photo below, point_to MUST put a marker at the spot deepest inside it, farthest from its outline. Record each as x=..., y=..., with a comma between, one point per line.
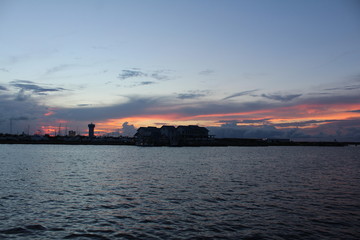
x=128, y=192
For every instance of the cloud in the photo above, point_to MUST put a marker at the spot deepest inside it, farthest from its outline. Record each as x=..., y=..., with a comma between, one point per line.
x=84, y=105
x=190, y=95
x=193, y=94
x=125, y=74
x=304, y=123
x=159, y=75
x=246, y=119
x=128, y=130
x=211, y=110
x=328, y=130
x=206, y=72
x=19, y=118
x=352, y=87
x=264, y=131
x=137, y=84
x=264, y=120
x=31, y=86
x=346, y=88
x=281, y=98
x=59, y=68
x=21, y=96
x=341, y=130
x=229, y=123
x=239, y=94
x=331, y=99
x=20, y=107
x=133, y=107
x=146, y=83
x=4, y=70
x=218, y=108
x=234, y=123
x=355, y=78
x=2, y=88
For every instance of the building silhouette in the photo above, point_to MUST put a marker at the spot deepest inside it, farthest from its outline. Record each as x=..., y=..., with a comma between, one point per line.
x=192, y=135
x=91, y=130
x=72, y=133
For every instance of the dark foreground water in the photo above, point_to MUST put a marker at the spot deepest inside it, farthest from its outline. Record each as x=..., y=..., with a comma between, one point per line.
x=128, y=192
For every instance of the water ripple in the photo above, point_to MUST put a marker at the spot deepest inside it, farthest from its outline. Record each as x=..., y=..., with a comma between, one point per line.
x=115, y=192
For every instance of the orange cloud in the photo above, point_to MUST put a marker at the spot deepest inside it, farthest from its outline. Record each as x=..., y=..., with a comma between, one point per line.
x=49, y=113
x=281, y=115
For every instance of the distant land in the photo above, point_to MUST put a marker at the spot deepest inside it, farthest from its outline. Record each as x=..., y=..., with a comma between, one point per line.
x=85, y=140
x=191, y=135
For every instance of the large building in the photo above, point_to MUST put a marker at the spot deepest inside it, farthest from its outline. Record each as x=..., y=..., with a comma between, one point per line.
x=171, y=136
x=91, y=130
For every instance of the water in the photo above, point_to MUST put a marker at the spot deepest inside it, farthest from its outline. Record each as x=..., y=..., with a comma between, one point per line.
x=128, y=192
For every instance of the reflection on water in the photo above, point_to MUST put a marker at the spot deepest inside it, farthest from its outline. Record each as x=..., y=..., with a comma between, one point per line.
x=128, y=192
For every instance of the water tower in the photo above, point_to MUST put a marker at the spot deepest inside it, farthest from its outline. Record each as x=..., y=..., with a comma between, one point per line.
x=91, y=130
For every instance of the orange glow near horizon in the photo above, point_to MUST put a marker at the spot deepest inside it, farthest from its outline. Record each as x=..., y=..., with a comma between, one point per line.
x=281, y=115
x=49, y=113
x=292, y=114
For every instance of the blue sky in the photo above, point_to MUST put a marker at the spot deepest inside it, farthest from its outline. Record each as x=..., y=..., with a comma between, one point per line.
x=181, y=62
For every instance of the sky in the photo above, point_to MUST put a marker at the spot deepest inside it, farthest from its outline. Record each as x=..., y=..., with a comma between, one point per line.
x=242, y=68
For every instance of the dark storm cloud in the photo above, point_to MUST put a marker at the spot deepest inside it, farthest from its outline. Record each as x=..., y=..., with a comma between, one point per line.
x=2, y=88
x=31, y=86
x=239, y=94
x=281, y=98
x=355, y=111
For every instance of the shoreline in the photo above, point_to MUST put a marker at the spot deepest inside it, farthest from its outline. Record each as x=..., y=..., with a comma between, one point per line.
x=192, y=144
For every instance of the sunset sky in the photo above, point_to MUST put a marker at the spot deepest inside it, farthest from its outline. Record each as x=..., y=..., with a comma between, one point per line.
x=242, y=68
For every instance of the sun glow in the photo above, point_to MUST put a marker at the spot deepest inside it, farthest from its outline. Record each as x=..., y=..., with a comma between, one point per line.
x=302, y=116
